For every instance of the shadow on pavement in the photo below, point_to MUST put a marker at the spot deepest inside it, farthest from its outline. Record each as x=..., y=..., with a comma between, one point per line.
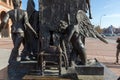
x=3, y=74
x=112, y=65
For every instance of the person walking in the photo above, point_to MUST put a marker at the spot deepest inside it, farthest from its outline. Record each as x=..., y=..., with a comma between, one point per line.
x=118, y=51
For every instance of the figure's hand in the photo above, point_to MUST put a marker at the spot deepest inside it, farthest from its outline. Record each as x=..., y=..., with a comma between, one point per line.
x=37, y=35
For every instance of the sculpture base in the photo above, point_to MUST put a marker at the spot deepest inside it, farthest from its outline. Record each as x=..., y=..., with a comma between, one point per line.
x=96, y=71
x=34, y=77
x=17, y=70
x=93, y=70
x=93, y=67
x=91, y=77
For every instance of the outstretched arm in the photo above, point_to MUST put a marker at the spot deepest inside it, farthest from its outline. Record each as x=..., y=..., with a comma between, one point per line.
x=28, y=24
x=70, y=32
x=4, y=21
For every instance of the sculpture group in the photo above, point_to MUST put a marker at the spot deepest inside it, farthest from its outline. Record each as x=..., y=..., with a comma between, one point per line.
x=58, y=23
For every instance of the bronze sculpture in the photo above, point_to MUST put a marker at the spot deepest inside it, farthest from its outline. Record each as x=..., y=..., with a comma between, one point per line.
x=55, y=11
x=58, y=23
x=51, y=13
x=32, y=43
x=20, y=22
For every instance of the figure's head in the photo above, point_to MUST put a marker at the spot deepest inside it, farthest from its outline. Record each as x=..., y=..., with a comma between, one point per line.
x=81, y=15
x=16, y=3
x=63, y=26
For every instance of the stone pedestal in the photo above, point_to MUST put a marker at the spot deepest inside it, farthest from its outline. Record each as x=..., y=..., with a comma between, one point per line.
x=34, y=77
x=17, y=70
x=92, y=71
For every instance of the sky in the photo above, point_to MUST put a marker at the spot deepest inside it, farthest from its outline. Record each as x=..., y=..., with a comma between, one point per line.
x=104, y=12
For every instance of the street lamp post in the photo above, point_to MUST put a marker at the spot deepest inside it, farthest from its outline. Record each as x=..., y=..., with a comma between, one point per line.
x=101, y=19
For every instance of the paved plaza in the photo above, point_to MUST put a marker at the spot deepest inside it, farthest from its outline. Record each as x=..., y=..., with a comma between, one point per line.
x=104, y=53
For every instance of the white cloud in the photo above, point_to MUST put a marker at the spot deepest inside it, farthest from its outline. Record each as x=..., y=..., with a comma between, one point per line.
x=107, y=6
x=113, y=15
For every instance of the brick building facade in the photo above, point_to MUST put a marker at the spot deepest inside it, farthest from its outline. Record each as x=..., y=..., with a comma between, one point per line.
x=5, y=5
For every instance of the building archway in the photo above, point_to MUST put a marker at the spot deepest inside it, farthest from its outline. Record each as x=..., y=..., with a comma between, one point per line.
x=10, y=2
x=6, y=30
x=2, y=14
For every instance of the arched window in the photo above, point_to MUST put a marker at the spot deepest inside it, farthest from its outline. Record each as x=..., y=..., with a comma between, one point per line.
x=4, y=1
x=5, y=31
x=2, y=14
x=10, y=2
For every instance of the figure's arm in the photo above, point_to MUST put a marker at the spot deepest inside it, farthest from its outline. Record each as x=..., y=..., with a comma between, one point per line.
x=4, y=21
x=28, y=24
x=70, y=33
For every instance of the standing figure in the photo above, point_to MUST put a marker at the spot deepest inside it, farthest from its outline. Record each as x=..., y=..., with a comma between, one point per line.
x=32, y=43
x=75, y=6
x=19, y=20
x=74, y=32
x=118, y=51
x=71, y=34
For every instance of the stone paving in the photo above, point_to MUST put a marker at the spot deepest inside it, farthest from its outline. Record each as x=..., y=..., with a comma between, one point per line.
x=104, y=53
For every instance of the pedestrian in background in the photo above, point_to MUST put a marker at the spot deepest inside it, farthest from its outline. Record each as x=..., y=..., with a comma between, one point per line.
x=118, y=51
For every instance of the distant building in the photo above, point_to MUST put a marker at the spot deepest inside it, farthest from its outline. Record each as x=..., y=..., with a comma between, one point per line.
x=109, y=30
x=117, y=31
x=5, y=5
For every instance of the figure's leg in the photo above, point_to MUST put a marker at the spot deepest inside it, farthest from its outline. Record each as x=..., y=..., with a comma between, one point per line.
x=26, y=50
x=35, y=47
x=24, y=54
x=117, y=55
x=82, y=55
x=72, y=58
x=64, y=52
x=80, y=50
x=14, y=38
x=17, y=39
x=65, y=59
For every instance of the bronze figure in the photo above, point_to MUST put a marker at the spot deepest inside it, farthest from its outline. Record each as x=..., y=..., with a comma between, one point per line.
x=19, y=24
x=32, y=43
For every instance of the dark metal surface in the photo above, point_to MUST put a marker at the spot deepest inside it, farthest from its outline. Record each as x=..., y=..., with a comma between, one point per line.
x=61, y=23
